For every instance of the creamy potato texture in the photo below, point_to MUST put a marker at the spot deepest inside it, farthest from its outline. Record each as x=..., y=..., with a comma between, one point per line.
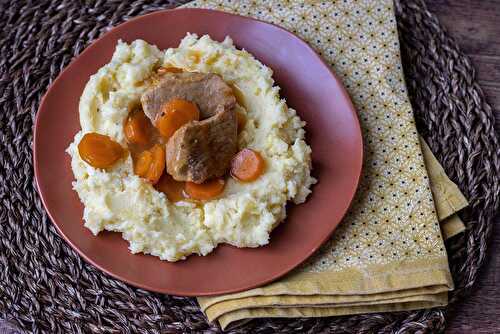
x=245, y=214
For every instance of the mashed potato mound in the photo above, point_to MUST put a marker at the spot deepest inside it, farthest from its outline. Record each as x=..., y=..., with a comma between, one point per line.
x=246, y=213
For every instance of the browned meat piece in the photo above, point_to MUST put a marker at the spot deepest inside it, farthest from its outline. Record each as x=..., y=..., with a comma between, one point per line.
x=199, y=150
x=208, y=91
x=202, y=150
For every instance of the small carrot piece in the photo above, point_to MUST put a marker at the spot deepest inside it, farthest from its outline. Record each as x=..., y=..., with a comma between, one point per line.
x=205, y=191
x=247, y=165
x=136, y=128
x=143, y=162
x=99, y=151
x=174, y=190
x=176, y=113
x=151, y=164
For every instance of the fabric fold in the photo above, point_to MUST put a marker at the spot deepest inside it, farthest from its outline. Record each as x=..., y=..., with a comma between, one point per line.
x=447, y=196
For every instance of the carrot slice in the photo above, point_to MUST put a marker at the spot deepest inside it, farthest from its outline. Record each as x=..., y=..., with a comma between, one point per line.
x=247, y=165
x=170, y=187
x=168, y=69
x=136, y=128
x=176, y=113
x=143, y=163
x=205, y=191
x=99, y=151
x=151, y=164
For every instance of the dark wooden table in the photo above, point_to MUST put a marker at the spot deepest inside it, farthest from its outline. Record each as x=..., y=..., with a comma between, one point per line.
x=475, y=24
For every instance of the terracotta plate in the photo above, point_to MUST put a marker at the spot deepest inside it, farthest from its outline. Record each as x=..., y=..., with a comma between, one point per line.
x=308, y=86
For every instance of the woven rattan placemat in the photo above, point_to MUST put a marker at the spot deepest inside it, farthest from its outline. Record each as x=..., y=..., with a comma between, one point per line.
x=46, y=287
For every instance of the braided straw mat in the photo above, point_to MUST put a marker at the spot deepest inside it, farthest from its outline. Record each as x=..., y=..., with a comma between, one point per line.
x=46, y=287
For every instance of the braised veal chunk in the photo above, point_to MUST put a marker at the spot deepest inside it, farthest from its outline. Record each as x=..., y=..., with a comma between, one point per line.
x=208, y=91
x=200, y=151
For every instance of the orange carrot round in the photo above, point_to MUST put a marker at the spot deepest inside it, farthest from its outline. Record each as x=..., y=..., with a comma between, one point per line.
x=143, y=163
x=136, y=128
x=247, y=165
x=151, y=164
x=205, y=191
x=174, y=190
x=176, y=113
x=99, y=151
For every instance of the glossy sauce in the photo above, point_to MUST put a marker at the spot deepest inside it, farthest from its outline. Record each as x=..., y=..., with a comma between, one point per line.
x=174, y=190
x=242, y=120
x=146, y=129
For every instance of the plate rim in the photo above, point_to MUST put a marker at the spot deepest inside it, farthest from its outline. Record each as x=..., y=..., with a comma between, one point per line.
x=42, y=193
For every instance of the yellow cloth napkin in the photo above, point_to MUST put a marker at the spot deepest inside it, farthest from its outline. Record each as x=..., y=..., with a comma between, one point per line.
x=388, y=253
x=447, y=197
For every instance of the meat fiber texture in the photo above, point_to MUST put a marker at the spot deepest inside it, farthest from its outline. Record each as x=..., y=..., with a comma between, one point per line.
x=246, y=213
